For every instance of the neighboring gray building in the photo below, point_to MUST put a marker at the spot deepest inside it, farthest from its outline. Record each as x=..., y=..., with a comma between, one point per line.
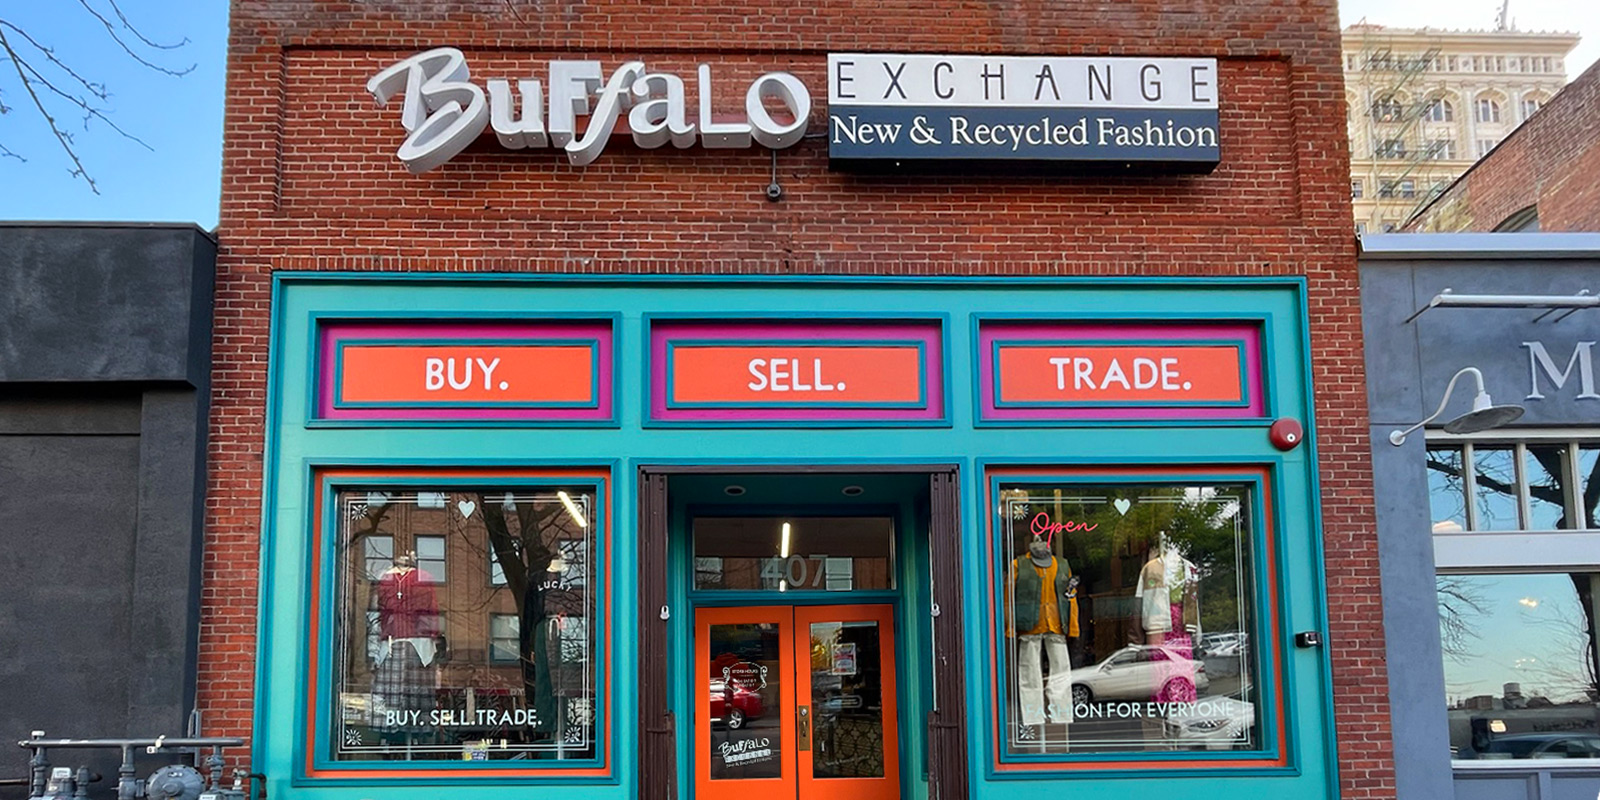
x=105, y=362
x=1490, y=545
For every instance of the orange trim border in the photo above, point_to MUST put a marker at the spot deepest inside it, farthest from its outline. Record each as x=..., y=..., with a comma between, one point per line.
x=1269, y=558
x=322, y=481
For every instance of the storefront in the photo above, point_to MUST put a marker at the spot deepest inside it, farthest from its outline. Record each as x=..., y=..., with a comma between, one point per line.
x=1491, y=547
x=760, y=547
x=981, y=420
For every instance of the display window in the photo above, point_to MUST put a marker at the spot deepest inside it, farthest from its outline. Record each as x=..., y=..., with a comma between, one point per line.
x=1128, y=617
x=465, y=623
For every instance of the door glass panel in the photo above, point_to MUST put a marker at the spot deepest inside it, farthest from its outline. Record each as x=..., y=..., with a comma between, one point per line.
x=743, y=692
x=847, y=700
x=786, y=554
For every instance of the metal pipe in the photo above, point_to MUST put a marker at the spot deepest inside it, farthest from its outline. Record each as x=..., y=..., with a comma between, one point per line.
x=163, y=743
x=1448, y=299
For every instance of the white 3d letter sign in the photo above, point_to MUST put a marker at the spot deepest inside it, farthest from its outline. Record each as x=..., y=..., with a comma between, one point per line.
x=443, y=111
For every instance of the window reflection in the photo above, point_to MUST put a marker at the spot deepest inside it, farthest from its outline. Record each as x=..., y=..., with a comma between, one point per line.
x=1128, y=618
x=1495, y=472
x=1588, y=483
x=1447, y=496
x=465, y=624
x=794, y=553
x=1558, y=483
x=1546, y=468
x=1520, y=665
x=743, y=692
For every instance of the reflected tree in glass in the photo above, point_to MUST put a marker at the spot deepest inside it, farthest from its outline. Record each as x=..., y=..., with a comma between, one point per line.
x=1553, y=489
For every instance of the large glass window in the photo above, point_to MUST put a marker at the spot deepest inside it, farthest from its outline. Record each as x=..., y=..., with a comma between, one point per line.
x=1128, y=618
x=493, y=663
x=1520, y=665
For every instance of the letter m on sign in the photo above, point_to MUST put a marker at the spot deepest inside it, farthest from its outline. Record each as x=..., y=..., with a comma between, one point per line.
x=1582, y=358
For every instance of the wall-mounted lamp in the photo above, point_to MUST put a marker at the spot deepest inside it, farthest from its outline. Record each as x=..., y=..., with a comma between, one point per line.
x=1483, y=416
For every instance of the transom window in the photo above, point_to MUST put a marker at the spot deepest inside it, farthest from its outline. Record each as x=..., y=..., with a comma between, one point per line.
x=1532, y=486
x=794, y=554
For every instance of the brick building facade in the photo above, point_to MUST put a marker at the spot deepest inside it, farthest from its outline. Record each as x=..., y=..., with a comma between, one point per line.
x=1535, y=180
x=316, y=209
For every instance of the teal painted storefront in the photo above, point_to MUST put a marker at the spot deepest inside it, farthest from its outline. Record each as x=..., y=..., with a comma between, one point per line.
x=1299, y=763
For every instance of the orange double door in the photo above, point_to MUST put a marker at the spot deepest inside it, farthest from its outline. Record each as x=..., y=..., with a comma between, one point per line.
x=795, y=703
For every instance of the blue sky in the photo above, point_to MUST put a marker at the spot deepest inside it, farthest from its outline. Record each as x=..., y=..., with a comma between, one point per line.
x=178, y=179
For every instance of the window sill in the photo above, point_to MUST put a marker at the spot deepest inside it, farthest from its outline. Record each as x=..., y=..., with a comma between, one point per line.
x=1528, y=765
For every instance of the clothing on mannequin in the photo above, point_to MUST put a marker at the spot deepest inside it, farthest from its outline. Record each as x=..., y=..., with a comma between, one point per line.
x=1168, y=595
x=408, y=621
x=1042, y=613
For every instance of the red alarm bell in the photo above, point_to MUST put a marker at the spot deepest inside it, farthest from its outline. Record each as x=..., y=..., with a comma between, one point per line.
x=1286, y=434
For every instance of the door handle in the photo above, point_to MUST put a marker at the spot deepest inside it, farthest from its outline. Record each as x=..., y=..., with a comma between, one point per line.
x=802, y=734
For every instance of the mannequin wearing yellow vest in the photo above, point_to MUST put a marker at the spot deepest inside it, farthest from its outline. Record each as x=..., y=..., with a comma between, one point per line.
x=1042, y=612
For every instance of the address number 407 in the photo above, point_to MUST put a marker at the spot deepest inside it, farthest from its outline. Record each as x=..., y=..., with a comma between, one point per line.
x=795, y=570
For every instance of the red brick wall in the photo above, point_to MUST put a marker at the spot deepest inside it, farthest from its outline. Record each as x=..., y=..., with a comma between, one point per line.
x=310, y=182
x=1550, y=162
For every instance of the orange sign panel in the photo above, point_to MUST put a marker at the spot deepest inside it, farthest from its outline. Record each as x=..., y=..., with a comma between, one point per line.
x=797, y=375
x=1129, y=375
x=466, y=375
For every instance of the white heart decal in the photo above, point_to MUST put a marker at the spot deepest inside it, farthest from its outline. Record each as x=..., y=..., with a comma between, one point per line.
x=1122, y=505
x=466, y=507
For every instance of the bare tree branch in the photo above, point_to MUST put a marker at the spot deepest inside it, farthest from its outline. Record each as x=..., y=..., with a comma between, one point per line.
x=61, y=136
x=110, y=29
x=142, y=37
x=50, y=81
x=90, y=112
x=96, y=89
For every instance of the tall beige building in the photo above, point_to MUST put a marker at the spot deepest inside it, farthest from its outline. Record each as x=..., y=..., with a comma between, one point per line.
x=1424, y=104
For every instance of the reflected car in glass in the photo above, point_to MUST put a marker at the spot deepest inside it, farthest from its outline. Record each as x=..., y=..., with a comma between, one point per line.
x=1140, y=672
x=732, y=705
x=1540, y=745
x=1223, y=645
x=1215, y=721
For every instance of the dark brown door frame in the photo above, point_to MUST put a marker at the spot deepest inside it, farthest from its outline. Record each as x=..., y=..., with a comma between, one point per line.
x=947, y=724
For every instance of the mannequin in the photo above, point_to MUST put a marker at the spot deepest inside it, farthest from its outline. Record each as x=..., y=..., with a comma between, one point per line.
x=1168, y=596
x=1170, y=613
x=408, y=621
x=1043, y=605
